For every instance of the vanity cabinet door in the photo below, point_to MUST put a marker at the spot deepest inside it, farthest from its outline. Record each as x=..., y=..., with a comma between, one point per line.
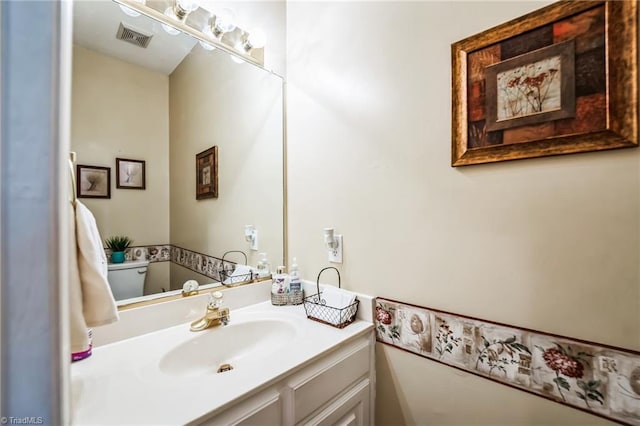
x=350, y=409
x=315, y=387
x=260, y=410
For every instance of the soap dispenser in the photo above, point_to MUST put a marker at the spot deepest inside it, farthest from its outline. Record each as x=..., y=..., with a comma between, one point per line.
x=263, y=266
x=295, y=285
x=280, y=284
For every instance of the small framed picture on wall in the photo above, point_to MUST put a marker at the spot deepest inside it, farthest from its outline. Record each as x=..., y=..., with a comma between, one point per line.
x=130, y=174
x=207, y=174
x=93, y=181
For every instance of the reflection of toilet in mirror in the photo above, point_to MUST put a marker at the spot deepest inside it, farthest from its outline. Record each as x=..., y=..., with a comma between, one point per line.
x=127, y=279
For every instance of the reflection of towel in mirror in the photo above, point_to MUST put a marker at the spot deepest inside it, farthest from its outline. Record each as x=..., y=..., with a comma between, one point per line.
x=240, y=273
x=91, y=302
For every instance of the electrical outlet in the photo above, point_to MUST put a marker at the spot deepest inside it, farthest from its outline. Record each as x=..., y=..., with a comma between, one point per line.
x=335, y=255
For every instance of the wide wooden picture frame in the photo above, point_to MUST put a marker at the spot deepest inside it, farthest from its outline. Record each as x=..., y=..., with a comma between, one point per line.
x=559, y=80
x=207, y=174
x=93, y=181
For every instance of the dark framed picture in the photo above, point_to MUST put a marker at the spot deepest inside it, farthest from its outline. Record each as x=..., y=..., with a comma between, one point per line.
x=130, y=174
x=560, y=80
x=207, y=174
x=93, y=181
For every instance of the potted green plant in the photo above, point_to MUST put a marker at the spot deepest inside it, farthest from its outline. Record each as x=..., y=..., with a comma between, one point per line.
x=118, y=245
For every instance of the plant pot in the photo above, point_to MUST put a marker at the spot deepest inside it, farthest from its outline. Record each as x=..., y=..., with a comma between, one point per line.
x=117, y=257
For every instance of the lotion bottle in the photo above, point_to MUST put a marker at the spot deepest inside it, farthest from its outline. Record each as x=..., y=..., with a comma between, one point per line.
x=280, y=284
x=295, y=285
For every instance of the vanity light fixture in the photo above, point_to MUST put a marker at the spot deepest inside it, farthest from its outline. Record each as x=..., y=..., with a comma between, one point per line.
x=223, y=22
x=256, y=39
x=217, y=30
x=334, y=245
x=251, y=236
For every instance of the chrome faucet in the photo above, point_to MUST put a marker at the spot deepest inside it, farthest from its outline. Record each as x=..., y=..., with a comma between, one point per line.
x=214, y=316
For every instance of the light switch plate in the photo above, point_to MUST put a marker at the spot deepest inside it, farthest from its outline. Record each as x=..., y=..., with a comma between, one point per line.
x=335, y=255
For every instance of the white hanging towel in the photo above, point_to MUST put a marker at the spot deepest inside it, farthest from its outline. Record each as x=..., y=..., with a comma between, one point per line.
x=91, y=301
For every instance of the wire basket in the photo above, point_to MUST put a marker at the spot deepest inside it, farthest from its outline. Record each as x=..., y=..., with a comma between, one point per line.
x=317, y=309
x=226, y=274
x=294, y=298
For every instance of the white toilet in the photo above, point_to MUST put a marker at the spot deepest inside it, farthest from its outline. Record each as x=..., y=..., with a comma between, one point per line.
x=127, y=279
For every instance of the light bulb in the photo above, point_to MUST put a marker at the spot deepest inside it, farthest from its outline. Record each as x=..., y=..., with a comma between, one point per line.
x=206, y=46
x=256, y=40
x=168, y=28
x=181, y=8
x=225, y=22
x=207, y=31
x=128, y=11
x=236, y=59
x=188, y=5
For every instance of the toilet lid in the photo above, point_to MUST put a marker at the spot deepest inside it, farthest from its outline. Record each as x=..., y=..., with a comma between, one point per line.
x=130, y=264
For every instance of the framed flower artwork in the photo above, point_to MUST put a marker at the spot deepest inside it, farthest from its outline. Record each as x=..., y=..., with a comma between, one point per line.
x=560, y=80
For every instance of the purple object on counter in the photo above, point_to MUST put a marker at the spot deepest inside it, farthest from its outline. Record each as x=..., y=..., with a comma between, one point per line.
x=77, y=356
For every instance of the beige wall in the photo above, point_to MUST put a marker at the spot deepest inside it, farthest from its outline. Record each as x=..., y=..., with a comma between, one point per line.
x=215, y=101
x=550, y=244
x=121, y=110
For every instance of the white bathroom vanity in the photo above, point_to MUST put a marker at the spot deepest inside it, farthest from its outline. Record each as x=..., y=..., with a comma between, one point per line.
x=287, y=369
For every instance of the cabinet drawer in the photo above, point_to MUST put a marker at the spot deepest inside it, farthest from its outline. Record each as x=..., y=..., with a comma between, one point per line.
x=314, y=389
x=350, y=409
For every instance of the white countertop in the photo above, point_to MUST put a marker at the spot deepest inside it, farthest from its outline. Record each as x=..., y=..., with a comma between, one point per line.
x=121, y=383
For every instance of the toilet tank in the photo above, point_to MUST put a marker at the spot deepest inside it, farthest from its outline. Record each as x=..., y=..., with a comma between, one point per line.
x=127, y=279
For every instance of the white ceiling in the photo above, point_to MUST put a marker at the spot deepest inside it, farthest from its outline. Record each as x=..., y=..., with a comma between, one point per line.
x=95, y=24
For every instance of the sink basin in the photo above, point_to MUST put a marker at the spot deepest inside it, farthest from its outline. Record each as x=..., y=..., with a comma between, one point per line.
x=235, y=344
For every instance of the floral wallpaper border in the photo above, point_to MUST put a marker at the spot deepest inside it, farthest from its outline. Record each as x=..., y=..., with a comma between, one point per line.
x=197, y=262
x=192, y=260
x=599, y=379
x=153, y=253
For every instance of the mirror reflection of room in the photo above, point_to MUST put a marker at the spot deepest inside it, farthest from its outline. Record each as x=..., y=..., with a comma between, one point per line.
x=155, y=108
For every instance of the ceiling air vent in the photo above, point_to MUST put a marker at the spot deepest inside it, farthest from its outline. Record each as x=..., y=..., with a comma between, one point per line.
x=132, y=36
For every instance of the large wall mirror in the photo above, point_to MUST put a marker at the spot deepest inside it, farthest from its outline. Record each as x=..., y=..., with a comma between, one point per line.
x=163, y=101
